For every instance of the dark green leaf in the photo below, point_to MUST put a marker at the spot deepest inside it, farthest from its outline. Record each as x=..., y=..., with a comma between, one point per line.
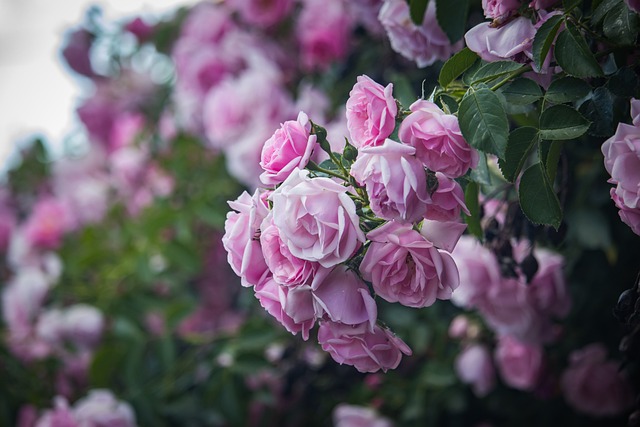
x=481, y=174
x=621, y=25
x=599, y=110
x=569, y=4
x=552, y=158
x=538, y=200
x=452, y=17
x=573, y=55
x=520, y=143
x=567, y=89
x=493, y=70
x=602, y=10
x=417, y=9
x=456, y=65
x=562, y=122
x=471, y=199
x=483, y=121
x=522, y=91
x=624, y=83
x=544, y=38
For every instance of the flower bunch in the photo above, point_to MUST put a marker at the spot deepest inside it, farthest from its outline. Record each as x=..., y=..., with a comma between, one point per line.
x=379, y=220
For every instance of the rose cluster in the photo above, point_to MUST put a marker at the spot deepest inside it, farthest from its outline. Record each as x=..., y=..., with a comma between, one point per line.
x=379, y=220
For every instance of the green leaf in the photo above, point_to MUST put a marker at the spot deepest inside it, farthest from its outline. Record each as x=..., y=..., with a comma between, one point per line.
x=552, y=159
x=538, y=200
x=567, y=89
x=456, y=65
x=624, y=83
x=522, y=91
x=416, y=10
x=621, y=25
x=493, y=70
x=562, y=122
x=483, y=121
x=448, y=103
x=544, y=38
x=520, y=143
x=573, y=55
x=471, y=199
x=452, y=17
x=599, y=109
x=602, y=10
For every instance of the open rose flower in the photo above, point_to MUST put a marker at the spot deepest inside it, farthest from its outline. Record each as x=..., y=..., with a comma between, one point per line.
x=447, y=201
x=316, y=218
x=290, y=147
x=437, y=139
x=395, y=180
x=292, y=307
x=371, y=112
x=519, y=364
x=356, y=345
x=474, y=367
x=405, y=267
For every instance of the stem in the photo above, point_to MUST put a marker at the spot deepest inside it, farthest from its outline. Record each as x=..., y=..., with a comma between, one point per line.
x=338, y=163
x=315, y=167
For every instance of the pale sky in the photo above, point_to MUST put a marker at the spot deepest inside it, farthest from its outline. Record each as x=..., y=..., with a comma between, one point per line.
x=37, y=95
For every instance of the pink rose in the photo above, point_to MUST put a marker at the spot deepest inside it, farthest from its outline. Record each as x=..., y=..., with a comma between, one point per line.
x=447, y=201
x=100, y=408
x=630, y=216
x=60, y=416
x=438, y=140
x=316, y=218
x=499, y=10
x=395, y=180
x=622, y=161
x=595, y=386
x=424, y=44
x=356, y=345
x=519, y=364
x=287, y=269
x=474, y=367
x=83, y=325
x=48, y=222
x=344, y=297
x=241, y=237
x=358, y=416
x=511, y=41
x=405, y=267
x=548, y=290
x=260, y=12
x=371, y=112
x=290, y=147
x=292, y=307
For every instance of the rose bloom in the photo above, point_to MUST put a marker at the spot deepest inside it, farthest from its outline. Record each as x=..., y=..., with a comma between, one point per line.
x=48, y=222
x=630, y=216
x=395, y=180
x=511, y=41
x=548, y=290
x=241, y=237
x=479, y=270
x=595, y=386
x=60, y=416
x=437, y=139
x=101, y=409
x=499, y=10
x=405, y=267
x=316, y=218
x=357, y=346
x=260, y=12
x=358, y=416
x=519, y=364
x=474, y=367
x=290, y=147
x=447, y=201
x=424, y=44
x=371, y=112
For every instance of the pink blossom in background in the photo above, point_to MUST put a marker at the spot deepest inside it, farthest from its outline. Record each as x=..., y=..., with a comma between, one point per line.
x=290, y=147
x=357, y=346
x=424, y=44
x=83, y=325
x=371, y=112
x=404, y=267
x=437, y=139
x=345, y=415
x=395, y=180
x=594, y=385
x=317, y=220
x=207, y=22
x=325, y=40
x=520, y=365
x=474, y=367
x=511, y=41
x=7, y=225
x=263, y=13
x=100, y=408
x=633, y=5
x=243, y=157
x=240, y=239
x=140, y=29
x=27, y=416
x=548, y=290
x=459, y=327
x=499, y=10
x=49, y=220
x=447, y=201
x=76, y=52
x=344, y=297
x=479, y=270
x=60, y=416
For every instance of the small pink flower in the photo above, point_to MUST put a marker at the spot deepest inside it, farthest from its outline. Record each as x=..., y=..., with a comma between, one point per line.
x=548, y=290
x=356, y=345
x=358, y=416
x=405, y=267
x=499, y=9
x=140, y=29
x=424, y=44
x=242, y=239
x=101, y=408
x=371, y=112
x=595, y=386
x=474, y=367
x=290, y=147
x=60, y=416
x=395, y=180
x=447, y=201
x=437, y=139
x=48, y=222
x=263, y=13
x=519, y=364
x=316, y=219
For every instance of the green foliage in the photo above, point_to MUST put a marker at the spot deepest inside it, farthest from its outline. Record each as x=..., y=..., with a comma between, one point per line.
x=521, y=141
x=417, y=9
x=545, y=36
x=483, y=121
x=573, y=55
x=567, y=89
x=538, y=198
x=452, y=17
x=471, y=198
x=521, y=91
x=456, y=65
x=562, y=122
